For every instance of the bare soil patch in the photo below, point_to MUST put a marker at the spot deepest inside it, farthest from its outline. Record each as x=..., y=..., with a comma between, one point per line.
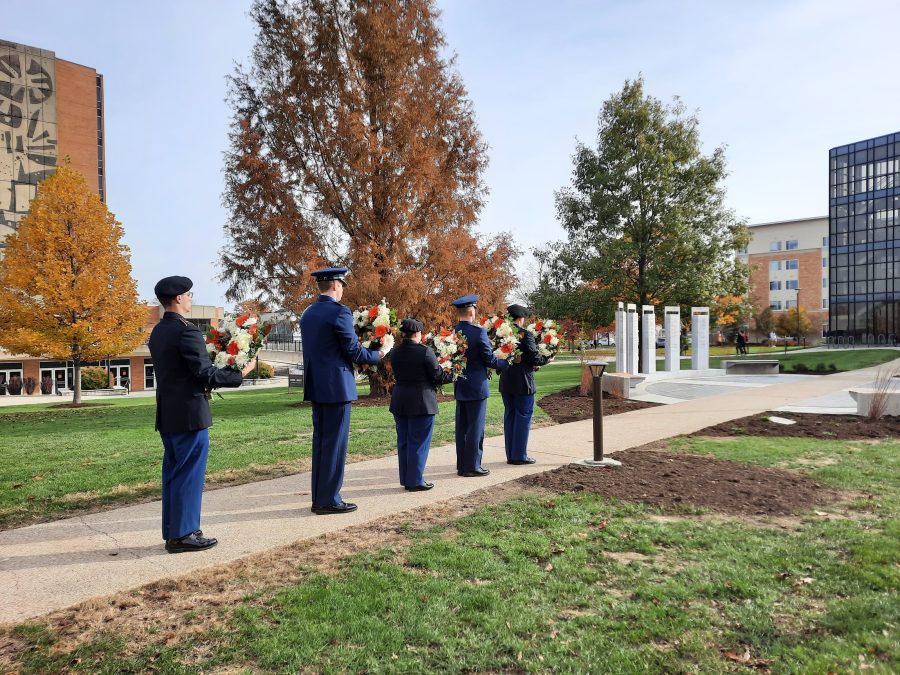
x=829, y=427
x=675, y=481
x=570, y=406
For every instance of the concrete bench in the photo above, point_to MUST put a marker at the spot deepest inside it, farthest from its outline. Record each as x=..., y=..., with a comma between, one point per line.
x=864, y=397
x=751, y=367
x=620, y=384
x=116, y=391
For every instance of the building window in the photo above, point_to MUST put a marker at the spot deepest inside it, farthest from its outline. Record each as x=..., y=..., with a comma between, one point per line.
x=790, y=244
x=790, y=304
x=824, y=262
x=792, y=264
x=825, y=242
x=774, y=285
x=824, y=282
x=149, y=376
x=775, y=304
x=774, y=265
x=775, y=246
x=792, y=284
x=824, y=303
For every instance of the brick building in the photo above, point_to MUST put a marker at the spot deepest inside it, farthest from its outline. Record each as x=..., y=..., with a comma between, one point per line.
x=789, y=263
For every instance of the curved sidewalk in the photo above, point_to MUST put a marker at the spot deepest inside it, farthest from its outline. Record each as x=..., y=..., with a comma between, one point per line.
x=54, y=565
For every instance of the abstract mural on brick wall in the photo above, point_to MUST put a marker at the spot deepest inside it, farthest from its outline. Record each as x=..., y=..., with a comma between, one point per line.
x=28, y=139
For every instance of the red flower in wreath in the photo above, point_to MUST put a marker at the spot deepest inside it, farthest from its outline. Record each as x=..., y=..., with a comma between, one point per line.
x=538, y=326
x=547, y=338
x=507, y=348
x=242, y=319
x=373, y=312
x=380, y=331
x=233, y=348
x=498, y=323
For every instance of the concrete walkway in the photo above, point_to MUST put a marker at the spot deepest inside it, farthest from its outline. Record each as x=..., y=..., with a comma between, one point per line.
x=55, y=565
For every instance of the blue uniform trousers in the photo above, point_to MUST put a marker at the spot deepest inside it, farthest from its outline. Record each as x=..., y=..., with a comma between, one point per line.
x=183, y=471
x=331, y=429
x=413, y=443
x=517, y=412
x=470, y=417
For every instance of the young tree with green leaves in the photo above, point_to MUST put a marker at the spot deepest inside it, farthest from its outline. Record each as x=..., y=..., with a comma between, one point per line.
x=645, y=213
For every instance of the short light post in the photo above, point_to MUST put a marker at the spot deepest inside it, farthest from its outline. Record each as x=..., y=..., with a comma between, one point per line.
x=597, y=368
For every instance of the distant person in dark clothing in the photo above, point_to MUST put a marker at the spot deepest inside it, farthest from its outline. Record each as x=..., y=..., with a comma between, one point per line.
x=741, y=341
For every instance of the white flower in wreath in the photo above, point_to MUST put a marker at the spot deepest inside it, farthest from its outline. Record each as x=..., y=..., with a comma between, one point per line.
x=554, y=340
x=505, y=330
x=251, y=321
x=387, y=343
x=241, y=360
x=383, y=319
x=210, y=349
x=221, y=359
x=243, y=341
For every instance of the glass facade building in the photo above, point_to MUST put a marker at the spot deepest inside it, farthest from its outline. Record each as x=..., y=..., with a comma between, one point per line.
x=864, y=242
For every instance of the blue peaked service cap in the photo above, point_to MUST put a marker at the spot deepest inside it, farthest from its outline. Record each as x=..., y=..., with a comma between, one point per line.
x=331, y=274
x=465, y=301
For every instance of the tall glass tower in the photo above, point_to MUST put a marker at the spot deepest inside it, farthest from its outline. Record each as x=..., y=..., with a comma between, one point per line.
x=864, y=240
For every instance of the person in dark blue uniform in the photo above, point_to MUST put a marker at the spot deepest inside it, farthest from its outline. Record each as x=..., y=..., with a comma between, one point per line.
x=517, y=389
x=330, y=350
x=184, y=377
x=471, y=391
x=414, y=403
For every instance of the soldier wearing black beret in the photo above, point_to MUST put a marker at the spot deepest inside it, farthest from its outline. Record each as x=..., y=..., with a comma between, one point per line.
x=184, y=374
x=414, y=403
x=517, y=389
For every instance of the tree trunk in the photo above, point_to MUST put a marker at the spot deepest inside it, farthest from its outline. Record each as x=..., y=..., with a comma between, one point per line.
x=381, y=382
x=77, y=396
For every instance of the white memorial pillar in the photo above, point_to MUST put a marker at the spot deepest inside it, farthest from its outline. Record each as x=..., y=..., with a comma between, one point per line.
x=648, y=330
x=621, y=340
x=672, y=332
x=699, y=338
x=631, y=338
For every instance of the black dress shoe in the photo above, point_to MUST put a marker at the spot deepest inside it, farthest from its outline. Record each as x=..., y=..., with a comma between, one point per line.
x=475, y=473
x=518, y=462
x=190, y=543
x=343, y=507
x=419, y=488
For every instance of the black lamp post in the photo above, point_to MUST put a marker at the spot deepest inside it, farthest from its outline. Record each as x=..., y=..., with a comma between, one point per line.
x=597, y=368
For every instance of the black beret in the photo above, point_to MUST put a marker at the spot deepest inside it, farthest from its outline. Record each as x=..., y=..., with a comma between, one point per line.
x=172, y=286
x=410, y=326
x=517, y=311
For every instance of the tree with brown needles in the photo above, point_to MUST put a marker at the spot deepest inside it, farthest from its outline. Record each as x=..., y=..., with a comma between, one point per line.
x=354, y=142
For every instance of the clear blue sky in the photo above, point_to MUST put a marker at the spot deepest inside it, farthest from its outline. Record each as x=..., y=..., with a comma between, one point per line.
x=778, y=82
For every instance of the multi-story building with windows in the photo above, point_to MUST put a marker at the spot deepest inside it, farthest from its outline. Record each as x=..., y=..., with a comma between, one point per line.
x=51, y=109
x=789, y=264
x=864, y=227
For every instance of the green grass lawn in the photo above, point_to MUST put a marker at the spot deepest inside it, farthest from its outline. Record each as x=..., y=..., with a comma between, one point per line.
x=56, y=461
x=832, y=360
x=576, y=583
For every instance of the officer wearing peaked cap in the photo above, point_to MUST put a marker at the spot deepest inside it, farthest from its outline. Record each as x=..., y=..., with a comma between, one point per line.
x=517, y=389
x=184, y=375
x=471, y=391
x=331, y=352
x=414, y=403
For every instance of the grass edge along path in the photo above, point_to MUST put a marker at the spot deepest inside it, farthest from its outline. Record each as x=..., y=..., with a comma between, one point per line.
x=561, y=582
x=59, y=463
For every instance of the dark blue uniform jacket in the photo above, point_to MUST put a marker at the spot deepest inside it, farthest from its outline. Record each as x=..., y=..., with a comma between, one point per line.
x=184, y=374
x=518, y=380
x=479, y=357
x=418, y=373
x=330, y=350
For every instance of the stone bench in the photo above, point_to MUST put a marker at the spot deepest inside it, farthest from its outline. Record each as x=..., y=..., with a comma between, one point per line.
x=117, y=391
x=620, y=385
x=865, y=395
x=751, y=367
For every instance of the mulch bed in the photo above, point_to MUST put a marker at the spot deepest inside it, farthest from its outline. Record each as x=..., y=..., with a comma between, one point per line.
x=826, y=427
x=570, y=406
x=675, y=481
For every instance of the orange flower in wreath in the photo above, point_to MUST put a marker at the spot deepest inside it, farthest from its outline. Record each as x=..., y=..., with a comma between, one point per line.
x=373, y=312
x=233, y=348
x=380, y=331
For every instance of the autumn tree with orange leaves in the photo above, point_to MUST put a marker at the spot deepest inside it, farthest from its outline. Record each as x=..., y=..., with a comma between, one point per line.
x=354, y=143
x=66, y=289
